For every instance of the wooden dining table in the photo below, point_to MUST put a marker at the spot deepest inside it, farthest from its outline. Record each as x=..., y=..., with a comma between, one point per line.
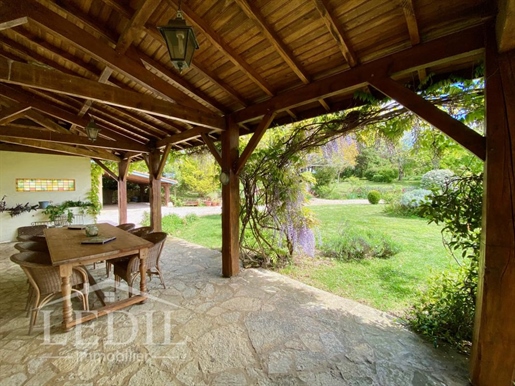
x=67, y=251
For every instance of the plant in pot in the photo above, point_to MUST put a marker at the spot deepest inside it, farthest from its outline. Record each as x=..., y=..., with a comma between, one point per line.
x=58, y=214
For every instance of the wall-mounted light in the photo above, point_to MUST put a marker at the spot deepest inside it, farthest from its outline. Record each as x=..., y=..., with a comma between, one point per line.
x=180, y=40
x=92, y=130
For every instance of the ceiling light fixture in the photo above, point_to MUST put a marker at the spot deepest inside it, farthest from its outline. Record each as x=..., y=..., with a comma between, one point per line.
x=92, y=130
x=180, y=40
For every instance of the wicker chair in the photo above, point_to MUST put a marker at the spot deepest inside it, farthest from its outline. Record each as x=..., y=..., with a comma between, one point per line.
x=34, y=246
x=30, y=233
x=45, y=281
x=141, y=231
x=128, y=269
x=127, y=226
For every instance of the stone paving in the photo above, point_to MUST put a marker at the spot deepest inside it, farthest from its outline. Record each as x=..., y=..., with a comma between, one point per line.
x=258, y=328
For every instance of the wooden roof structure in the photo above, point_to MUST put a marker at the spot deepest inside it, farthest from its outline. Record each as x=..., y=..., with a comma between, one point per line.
x=264, y=62
x=64, y=62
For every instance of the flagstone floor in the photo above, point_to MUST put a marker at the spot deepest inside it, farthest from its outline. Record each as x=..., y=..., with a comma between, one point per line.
x=258, y=328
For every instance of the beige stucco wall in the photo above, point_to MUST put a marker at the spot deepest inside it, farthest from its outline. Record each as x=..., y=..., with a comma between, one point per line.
x=28, y=165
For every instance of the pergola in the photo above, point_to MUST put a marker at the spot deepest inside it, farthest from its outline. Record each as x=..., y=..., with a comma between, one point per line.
x=261, y=63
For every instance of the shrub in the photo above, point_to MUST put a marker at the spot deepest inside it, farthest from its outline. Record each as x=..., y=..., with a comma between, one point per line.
x=382, y=174
x=436, y=179
x=373, y=197
x=359, y=243
x=445, y=312
x=414, y=198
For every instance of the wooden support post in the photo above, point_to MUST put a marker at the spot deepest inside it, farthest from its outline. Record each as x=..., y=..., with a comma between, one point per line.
x=167, y=194
x=230, y=202
x=154, y=161
x=123, y=169
x=493, y=348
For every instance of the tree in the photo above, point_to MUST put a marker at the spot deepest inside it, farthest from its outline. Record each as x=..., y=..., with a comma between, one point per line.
x=199, y=173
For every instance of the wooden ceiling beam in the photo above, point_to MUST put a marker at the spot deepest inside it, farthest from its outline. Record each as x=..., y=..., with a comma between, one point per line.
x=225, y=49
x=103, y=78
x=212, y=148
x=135, y=25
x=106, y=169
x=50, y=109
x=39, y=118
x=254, y=14
x=70, y=139
x=414, y=34
x=58, y=26
x=205, y=73
x=411, y=21
x=51, y=80
x=505, y=25
x=179, y=81
x=254, y=141
x=14, y=112
x=76, y=14
x=458, y=45
x=57, y=147
x=26, y=149
x=336, y=31
x=461, y=133
x=184, y=136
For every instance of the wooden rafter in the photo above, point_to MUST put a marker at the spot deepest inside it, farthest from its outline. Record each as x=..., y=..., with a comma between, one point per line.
x=106, y=169
x=44, y=121
x=336, y=31
x=461, y=44
x=254, y=141
x=150, y=30
x=12, y=113
x=136, y=23
x=184, y=136
x=103, y=78
x=458, y=131
x=414, y=34
x=57, y=147
x=70, y=33
x=253, y=13
x=70, y=139
x=225, y=49
x=211, y=146
x=505, y=25
x=41, y=78
x=179, y=81
x=48, y=108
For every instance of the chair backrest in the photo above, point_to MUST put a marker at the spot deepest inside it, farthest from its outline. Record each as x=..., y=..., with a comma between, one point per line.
x=141, y=231
x=26, y=233
x=31, y=246
x=127, y=226
x=42, y=274
x=154, y=252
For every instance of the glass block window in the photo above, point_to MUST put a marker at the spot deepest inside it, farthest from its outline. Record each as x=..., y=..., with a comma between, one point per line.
x=44, y=185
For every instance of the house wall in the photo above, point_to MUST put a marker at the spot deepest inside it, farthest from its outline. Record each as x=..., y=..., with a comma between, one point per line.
x=28, y=165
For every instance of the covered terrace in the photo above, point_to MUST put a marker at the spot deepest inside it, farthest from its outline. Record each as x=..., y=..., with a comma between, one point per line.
x=263, y=63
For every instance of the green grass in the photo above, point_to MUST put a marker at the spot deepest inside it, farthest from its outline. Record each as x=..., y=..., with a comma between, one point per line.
x=205, y=230
x=386, y=284
x=360, y=189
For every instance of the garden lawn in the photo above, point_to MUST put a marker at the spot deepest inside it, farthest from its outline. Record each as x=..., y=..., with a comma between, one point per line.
x=204, y=230
x=385, y=284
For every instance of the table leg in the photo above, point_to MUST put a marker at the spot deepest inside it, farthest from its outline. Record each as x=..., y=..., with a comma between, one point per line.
x=143, y=253
x=65, y=272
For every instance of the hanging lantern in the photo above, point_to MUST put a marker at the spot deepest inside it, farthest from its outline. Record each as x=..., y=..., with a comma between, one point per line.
x=180, y=40
x=92, y=130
